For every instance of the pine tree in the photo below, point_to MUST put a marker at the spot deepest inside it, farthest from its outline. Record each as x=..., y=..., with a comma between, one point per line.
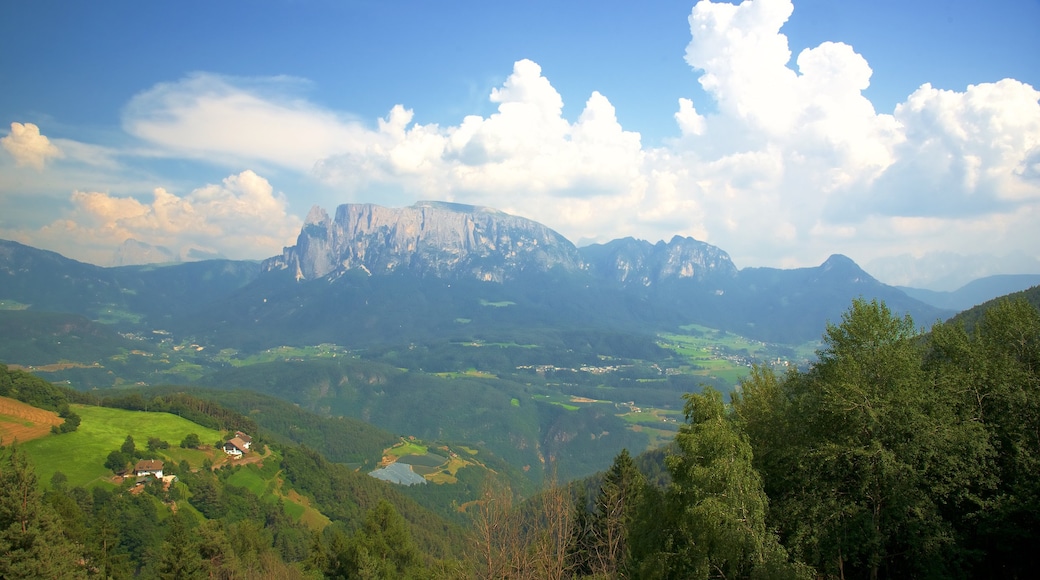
x=180, y=552
x=32, y=541
x=618, y=495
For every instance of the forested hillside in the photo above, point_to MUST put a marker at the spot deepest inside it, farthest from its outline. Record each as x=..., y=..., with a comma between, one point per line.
x=896, y=454
x=890, y=457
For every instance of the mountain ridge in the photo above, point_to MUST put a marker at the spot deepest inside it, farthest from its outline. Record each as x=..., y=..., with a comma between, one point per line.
x=375, y=275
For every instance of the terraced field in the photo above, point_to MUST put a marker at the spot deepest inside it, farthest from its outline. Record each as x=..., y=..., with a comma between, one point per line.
x=21, y=422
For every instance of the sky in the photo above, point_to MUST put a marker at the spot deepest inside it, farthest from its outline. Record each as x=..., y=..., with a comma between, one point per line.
x=905, y=135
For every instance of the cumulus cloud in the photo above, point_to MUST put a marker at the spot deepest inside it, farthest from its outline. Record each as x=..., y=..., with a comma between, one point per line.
x=526, y=157
x=801, y=159
x=241, y=217
x=28, y=146
x=965, y=153
x=795, y=164
x=792, y=164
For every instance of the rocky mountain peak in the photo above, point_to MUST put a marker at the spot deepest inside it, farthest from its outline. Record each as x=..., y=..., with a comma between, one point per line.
x=316, y=216
x=631, y=261
x=439, y=239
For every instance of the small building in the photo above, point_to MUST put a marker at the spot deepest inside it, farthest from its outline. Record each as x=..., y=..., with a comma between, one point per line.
x=246, y=439
x=236, y=447
x=151, y=467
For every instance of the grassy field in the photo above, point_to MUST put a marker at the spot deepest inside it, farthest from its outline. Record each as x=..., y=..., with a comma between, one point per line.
x=728, y=356
x=81, y=455
x=21, y=422
x=405, y=448
x=282, y=353
x=500, y=304
x=12, y=305
x=560, y=400
x=267, y=483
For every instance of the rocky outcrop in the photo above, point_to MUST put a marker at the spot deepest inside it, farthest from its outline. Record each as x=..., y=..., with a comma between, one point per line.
x=428, y=239
x=637, y=262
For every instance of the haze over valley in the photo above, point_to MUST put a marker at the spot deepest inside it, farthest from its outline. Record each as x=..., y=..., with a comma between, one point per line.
x=580, y=290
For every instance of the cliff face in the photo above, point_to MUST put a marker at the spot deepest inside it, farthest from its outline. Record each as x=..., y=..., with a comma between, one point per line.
x=637, y=262
x=429, y=239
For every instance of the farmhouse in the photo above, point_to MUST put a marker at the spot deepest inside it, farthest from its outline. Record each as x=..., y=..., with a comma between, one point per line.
x=151, y=467
x=246, y=439
x=236, y=447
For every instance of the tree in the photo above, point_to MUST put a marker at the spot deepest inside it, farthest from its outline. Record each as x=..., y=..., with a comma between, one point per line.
x=550, y=529
x=864, y=454
x=155, y=444
x=129, y=448
x=32, y=541
x=180, y=558
x=618, y=496
x=117, y=462
x=104, y=556
x=191, y=441
x=716, y=525
x=382, y=548
x=494, y=530
x=993, y=376
x=72, y=420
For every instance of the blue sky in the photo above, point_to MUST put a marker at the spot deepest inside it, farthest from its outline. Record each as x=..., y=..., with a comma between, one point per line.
x=906, y=135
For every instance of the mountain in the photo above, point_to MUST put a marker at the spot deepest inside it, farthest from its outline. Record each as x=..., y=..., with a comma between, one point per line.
x=948, y=271
x=975, y=292
x=428, y=239
x=971, y=317
x=435, y=271
x=126, y=296
x=637, y=262
x=132, y=253
x=774, y=304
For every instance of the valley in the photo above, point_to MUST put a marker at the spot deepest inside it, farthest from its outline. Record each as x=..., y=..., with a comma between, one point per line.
x=421, y=397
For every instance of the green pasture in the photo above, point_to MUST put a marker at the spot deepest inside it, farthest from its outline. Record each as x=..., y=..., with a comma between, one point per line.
x=406, y=448
x=267, y=483
x=249, y=477
x=728, y=356
x=500, y=304
x=114, y=315
x=650, y=416
x=559, y=400
x=81, y=455
x=282, y=353
x=467, y=373
x=12, y=305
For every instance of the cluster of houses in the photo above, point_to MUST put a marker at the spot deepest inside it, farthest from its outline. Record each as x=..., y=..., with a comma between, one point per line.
x=146, y=469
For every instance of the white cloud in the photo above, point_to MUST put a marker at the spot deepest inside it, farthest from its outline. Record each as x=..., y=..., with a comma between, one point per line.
x=232, y=120
x=793, y=164
x=28, y=146
x=965, y=153
x=239, y=218
x=525, y=158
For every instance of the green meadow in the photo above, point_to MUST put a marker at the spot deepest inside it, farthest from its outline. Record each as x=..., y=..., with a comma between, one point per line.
x=81, y=455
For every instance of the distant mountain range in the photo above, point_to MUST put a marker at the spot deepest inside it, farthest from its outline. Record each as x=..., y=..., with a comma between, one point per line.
x=975, y=292
x=375, y=275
